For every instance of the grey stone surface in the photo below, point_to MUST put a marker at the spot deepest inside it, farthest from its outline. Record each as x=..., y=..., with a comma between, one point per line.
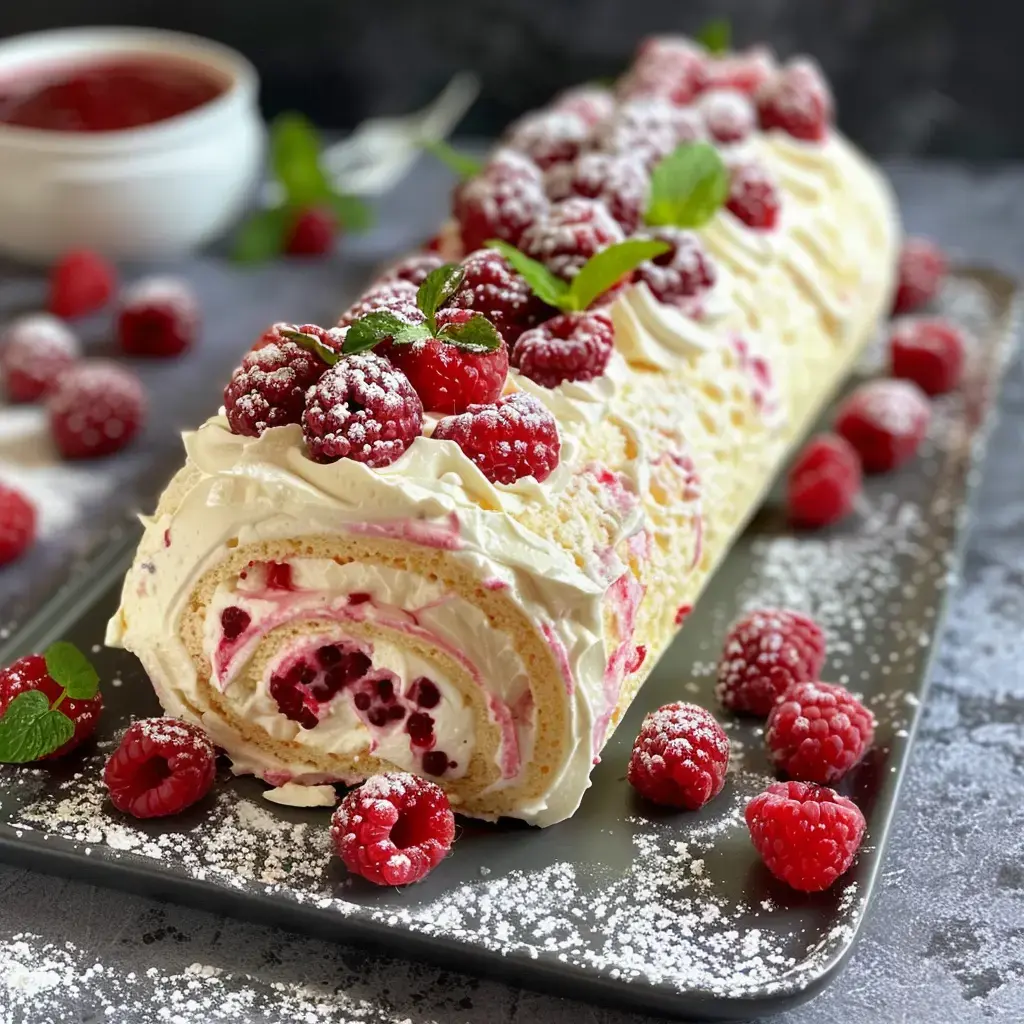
x=945, y=939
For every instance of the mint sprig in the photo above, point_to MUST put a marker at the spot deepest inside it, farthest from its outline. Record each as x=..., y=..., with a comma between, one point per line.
x=437, y=288
x=688, y=187
x=70, y=668
x=715, y=35
x=462, y=164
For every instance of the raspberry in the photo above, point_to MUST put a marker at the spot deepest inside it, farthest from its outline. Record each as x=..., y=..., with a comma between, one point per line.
x=574, y=346
x=765, y=652
x=159, y=316
x=549, y=137
x=806, y=835
x=648, y=130
x=394, y=829
x=311, y=233
x=450, y=379
x=729, y=114
x=620, y=182
x=824, y=482
x=363, y=409
x=161, y=767
x=34, y=350
x=572, y=232
x=17, y=524
x=680, y=757
x=515, y=437
x=80, y=282
x=96, y=408
x=414, y=268
x=797, y=100
x=684, y=272
x=393, y=294
x=929, y=351
x=745, y=72
x=922, y=269
x=670, y=67
x=754, y=196
x=885, y=421
x=818, y=731
x=592, y=103
x=269, y=388
x=491, y=287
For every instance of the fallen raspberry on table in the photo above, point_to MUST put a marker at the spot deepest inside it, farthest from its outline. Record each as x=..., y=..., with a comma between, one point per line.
x=34, y=350
x=363, y=409
x=680, y=757
x=17, y=524
x=922, y=269
x=81, y=282
x=515, y=437
x=161, y=766
x=414, y=268
x=929, y=351
x=824, y=482
x=796, y=100
x=648, y=130
x=96, y=408
x=159, y=316
x=818, y=731
x=30, y=673
x=394, y=829
x=492, y=288
x=885, y=421
x=311, y=233
x=549, y=137
x=807, y=835
x=572, y=232
x=746, y=71
x=754, y=195
x=620, y=182
x=574, y=346
x=685, y=272
x=670, y=67
x=592, y=103
x=393, y=294
x=269, y=388
x=729, y=115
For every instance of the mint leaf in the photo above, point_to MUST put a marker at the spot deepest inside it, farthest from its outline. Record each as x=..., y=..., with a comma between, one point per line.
x=295, y=157
x=375, y=327
x=311, y=343
x=476, y=333
x=31, y=729
x=351, y=213
x=715, y=35
x=437, y=288
x=688, y=187
x=72, y=670
x=603, y=269
x=261, y=237
x=463, y=165
x=546, y=286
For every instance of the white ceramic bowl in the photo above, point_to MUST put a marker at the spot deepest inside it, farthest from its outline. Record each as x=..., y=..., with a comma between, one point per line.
x=155, y=191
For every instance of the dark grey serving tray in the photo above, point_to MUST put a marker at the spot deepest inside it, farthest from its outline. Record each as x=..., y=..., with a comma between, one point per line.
x=665, y=912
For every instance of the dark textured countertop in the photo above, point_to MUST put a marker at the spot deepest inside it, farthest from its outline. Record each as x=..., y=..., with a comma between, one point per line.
x=945, y=939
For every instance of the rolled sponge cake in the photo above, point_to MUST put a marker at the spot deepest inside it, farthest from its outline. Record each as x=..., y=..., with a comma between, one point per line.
x=327, y=622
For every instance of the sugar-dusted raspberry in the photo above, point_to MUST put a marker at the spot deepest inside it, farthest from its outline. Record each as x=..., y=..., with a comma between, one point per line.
x=929, y=351
x=574, y=346
x=269, y=388
x=685, y=272
x=414, y=268
x=648, y=130
x=34, y=350
x=494, y=289
x=96, y=408
x=621, y=182
x=311, y=232
x=572, y=232
x=30, y=673
x=922, y=269
x=885, y=421
x=746, y=71
x=823, y=482
x=729, y=114
x=592, y=103
x=17, y=524
x=807, y=835
x=549, y=137
x=680, y=757
x=81, y=282
x=394, y=829
x=754, y=195
x=818, y=731
x=159, y=316
x=396, y=295
x=670, y=67
x=796, y=100
x=364, y=409
x=161, y=767
x=515, y=437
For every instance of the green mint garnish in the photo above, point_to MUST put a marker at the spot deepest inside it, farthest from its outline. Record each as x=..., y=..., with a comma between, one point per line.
x=462, y=164
x=261, y=236
x=546, y=286
x=688, y=187
x=71, y=669
x=476, y=333
x=313, y=344
x=437, y=288
x=716, y=35
x=378, y=326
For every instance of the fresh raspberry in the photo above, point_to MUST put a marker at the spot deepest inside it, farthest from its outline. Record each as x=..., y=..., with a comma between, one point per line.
x=493, y=288
x=684, y=273
x=796, y=99
x=592, y=103
x=80, y=282
x=670, y=67
x=620, y=182
x=159, y=316
x=728, y=114
x=765, y=652
x=754, y=195
x=572, y=232
x=34, y=350
x=311, y=233
x=393, y=294
x=745, y=72
x=394, y=829
x=648, y=130
x=96, y=408
x=490, y=206
x=824, y=482
x=415, y=268
x=806, y=835
x=922, y=269
x=269, y=388
x=364, y=409
x=574, y=346
x=885, y=421
x=17, y=524
x=929, y=351
x=818, y=731
x=515, y=437
x=680, y=757
x=549, y=137
x=161, y=767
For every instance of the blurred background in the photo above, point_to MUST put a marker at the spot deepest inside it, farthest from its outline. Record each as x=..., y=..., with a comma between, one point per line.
x=922, y=77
